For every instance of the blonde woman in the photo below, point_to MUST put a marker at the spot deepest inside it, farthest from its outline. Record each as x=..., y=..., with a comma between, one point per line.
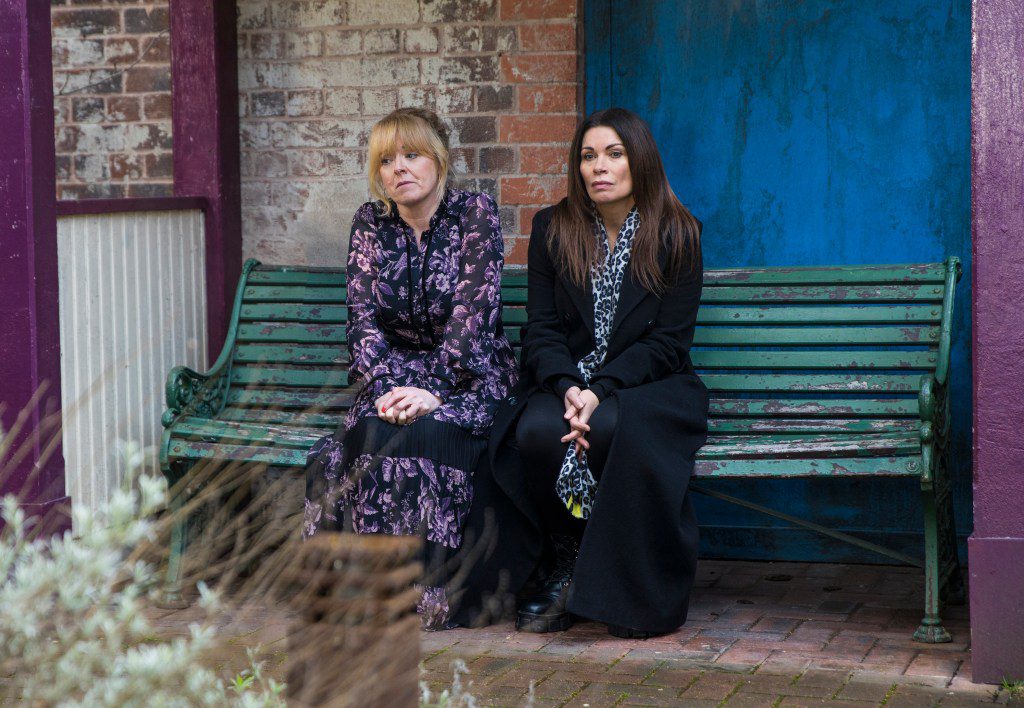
x=424, y=336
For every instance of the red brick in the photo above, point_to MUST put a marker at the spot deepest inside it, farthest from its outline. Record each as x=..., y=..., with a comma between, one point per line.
x=123, y=109
x=543, y=159
x=517, y=251
x=526, y=215
x=148, y=79
x=157, y=106
x=559, y=98
x=159, y=49
x=118, y=50
x=161, y=165
x=87, y=110
x=537, y=9
x=87, y=22
x=559, y=37
x=64, y=169
x=522, y=68
x=475, y=129
x=150, y=189
x=500, y=160
x=536, y=129
x=495, y=98
x=126, y=167
x=532, y=190
x=142, y=21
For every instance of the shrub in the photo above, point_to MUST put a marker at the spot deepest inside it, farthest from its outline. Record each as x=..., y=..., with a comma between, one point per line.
x=73, y=631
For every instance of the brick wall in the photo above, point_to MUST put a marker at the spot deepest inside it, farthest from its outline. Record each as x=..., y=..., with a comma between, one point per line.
x=112, y=98
x=315, y=74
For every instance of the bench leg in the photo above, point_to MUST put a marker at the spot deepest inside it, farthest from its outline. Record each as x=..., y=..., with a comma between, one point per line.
x=171, y=596
x=931, y=629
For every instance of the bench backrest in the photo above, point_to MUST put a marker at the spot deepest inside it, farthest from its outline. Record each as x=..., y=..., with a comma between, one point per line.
x=783, y=350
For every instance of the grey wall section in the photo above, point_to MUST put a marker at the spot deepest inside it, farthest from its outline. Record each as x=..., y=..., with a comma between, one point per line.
x=808, y=132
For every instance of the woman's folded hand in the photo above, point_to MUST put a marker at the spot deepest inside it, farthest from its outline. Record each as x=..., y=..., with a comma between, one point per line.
x=404, y=404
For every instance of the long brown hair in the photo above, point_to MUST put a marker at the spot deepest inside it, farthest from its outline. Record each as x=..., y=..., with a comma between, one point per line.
x=664, y=221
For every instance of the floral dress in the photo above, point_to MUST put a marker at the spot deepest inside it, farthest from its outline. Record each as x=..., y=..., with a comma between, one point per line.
x=426, y=315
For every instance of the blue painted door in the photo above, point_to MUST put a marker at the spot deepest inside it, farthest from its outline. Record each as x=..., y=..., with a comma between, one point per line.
x=808, y=132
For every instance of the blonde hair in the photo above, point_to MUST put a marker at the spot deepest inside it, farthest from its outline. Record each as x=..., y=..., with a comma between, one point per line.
x=410, y=129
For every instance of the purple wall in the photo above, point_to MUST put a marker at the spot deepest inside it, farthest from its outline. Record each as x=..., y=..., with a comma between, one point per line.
x=204, y=76
x=996, y=549
x=30, y=343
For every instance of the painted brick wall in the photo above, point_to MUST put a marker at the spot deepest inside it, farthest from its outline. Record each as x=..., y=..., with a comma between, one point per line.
x=112, y=98
x=315, y=74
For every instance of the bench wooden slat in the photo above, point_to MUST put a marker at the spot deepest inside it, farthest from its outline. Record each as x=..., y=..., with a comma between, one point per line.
x=335, y=354
x=821, y=383
x=815, y=336
x=825, y=408
x=282, y=417
x=281, y=436
x=294, y=276
x=816, y=467
x=293, y=293
x=811, y=446
x=842, y=315
x=306, y=399
x=909, y=273
x=267, y=312
x=331, y=314
x=195, y=450
x=794, y=294
x=287, y=332
x=800, y=426
x=333, y=377
x=712, y=359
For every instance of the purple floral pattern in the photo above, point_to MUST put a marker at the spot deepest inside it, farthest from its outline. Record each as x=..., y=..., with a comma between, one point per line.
x=425, y=315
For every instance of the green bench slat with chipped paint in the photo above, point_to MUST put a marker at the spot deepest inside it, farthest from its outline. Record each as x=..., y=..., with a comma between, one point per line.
x=813, y=372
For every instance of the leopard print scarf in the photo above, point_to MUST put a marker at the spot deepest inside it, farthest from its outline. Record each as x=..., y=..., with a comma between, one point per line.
x=576, y=485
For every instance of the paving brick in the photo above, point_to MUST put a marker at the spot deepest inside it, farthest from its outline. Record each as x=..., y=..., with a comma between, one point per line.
x=751, y=700
x=714, y=686
x=558, y=689
x=860, y=688
x=775, y=625
x=905, y=696
x=746, y=655
x=674, y=677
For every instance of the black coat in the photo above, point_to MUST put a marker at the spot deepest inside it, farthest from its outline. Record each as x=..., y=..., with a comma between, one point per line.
x=638, y=554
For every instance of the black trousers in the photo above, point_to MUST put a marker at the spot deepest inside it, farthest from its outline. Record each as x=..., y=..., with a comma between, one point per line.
x=538, y=436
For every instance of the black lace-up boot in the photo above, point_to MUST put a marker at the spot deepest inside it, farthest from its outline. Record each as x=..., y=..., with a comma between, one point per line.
x=544, y=610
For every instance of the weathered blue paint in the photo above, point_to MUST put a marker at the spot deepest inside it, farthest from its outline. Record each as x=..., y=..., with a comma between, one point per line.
x=808, y=132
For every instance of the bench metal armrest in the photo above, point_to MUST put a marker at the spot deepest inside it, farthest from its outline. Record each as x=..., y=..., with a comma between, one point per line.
x=191, y=393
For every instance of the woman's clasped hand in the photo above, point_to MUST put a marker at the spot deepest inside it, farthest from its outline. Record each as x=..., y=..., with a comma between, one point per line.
x=404, y=404
x=579, y=406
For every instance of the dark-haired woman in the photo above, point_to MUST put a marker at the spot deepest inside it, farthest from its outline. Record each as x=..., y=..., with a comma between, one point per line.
x=591, y=457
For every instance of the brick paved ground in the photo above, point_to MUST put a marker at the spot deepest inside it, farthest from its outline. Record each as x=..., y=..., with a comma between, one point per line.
x=759, y=634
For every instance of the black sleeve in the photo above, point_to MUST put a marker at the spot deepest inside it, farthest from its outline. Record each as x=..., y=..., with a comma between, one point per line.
x=664, y=349
x=546, y=356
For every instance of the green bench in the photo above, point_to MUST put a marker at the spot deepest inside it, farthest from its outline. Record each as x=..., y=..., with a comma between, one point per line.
x=813, y=372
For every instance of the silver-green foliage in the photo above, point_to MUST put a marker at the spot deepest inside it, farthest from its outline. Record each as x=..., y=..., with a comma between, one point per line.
x=72, y=627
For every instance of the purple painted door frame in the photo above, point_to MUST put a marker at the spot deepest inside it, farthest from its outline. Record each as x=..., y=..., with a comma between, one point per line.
x=996, y=548
x=204, y=92
x=29, y=325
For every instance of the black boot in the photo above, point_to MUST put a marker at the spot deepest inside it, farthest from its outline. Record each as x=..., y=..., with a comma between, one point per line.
x=544, y=611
